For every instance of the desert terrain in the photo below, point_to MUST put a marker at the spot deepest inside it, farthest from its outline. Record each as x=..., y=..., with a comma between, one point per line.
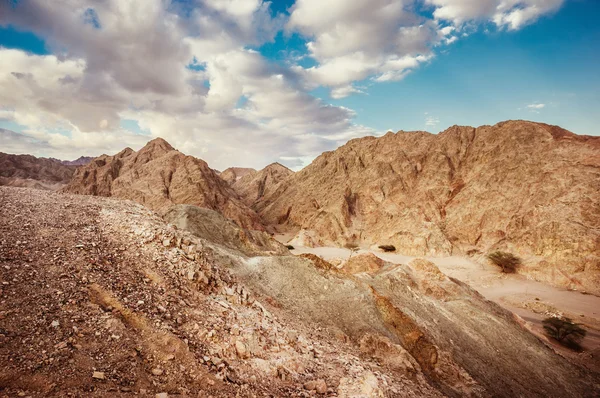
x=148, y=273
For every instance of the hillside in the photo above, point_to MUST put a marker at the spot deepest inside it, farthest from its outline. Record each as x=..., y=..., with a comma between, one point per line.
x=33, y=172
x=525, y=187
x=127, y=305
x=232, y=174
x=253, y=187
x=159, y=176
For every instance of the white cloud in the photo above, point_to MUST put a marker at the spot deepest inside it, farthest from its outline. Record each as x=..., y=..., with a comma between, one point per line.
x=431, y=121
x=113, y=60
x=131, y=63
x=510, y=14
x=536, y=106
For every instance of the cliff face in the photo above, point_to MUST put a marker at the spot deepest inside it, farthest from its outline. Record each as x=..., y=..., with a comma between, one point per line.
x=253, y=187
x=520, y=186
x=159, y=176
x=32, y=172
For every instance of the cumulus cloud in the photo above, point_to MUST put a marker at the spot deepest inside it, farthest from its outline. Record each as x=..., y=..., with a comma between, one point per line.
x=510, y=14
x=115, y=60
x=186, y=71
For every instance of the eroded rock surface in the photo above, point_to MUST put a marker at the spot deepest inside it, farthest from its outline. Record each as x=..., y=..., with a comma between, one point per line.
x=158, y=176
x=524, y=187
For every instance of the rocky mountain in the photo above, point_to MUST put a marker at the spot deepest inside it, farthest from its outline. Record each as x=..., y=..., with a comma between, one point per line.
x=82, y=160
x=253, y=187
x=33, y=172
x=159, y=176
x=232, y=174
x=524, y=187
x=128, y=305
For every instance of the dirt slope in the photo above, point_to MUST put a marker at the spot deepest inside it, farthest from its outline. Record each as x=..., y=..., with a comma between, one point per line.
x=524, y=187
x=159, y=176
x=115, y=302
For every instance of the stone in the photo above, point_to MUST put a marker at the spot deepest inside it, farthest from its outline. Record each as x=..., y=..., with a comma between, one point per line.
x=98, y=375
x=241, y=350
x=157, y=371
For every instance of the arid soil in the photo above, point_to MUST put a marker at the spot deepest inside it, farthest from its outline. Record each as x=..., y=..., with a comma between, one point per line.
x=100, y=297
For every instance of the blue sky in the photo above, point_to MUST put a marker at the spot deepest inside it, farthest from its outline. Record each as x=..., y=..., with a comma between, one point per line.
x=284, y=81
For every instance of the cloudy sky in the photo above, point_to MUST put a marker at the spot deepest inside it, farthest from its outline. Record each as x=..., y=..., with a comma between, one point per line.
x=250, y=82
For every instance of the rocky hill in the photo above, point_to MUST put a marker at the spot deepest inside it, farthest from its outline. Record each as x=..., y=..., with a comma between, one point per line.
x=232, y=174
x=100, y=297
x=80, y=161
x=33, y=172
x=525, y=187
x=253, y=187
x=159, y=176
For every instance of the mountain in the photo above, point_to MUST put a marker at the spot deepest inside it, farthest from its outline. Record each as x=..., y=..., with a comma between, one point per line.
x=82, y=160
x=519, y=186
x=252, y=187
x=232, y=174
x=33, y=172
x=159, y=176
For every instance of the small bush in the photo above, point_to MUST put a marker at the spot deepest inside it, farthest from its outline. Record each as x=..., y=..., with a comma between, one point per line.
x=388, y=248
x=289, y=247
x=565, y=331
x=507, y=261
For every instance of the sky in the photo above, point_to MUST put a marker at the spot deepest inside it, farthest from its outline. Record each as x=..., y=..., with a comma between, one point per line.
x=251, y=82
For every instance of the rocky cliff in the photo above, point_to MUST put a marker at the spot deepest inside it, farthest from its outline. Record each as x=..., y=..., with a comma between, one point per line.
x=159, y=176
x=526, y=187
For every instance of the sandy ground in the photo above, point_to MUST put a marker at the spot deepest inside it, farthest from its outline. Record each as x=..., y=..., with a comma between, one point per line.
x=531, y=300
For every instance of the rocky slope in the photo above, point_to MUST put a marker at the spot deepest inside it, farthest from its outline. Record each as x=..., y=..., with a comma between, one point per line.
x=101, y=297
x=33, y=172
x=525, y=187
x=159, y=176
x=213, y=227
x=232, y=174
x=253, y=187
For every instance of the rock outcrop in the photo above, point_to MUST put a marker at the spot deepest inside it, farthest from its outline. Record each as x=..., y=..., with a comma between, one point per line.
x=32, y=172
x=233, y=174
x=158, y=176
x=253, y=187
x=524, y=187
x=215, y=228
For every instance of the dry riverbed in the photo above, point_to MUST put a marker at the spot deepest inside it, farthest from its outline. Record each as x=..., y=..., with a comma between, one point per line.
x=531, y=300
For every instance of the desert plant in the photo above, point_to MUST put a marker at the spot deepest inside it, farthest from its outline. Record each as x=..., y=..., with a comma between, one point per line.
x=388, y=248
x=507, y=261
x=353, y=248
x=289, y=247
x=565, y=331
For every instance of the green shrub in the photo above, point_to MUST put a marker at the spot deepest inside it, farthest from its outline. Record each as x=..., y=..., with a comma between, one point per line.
x=388, y=248
x=507, y=261
x=565, y=331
